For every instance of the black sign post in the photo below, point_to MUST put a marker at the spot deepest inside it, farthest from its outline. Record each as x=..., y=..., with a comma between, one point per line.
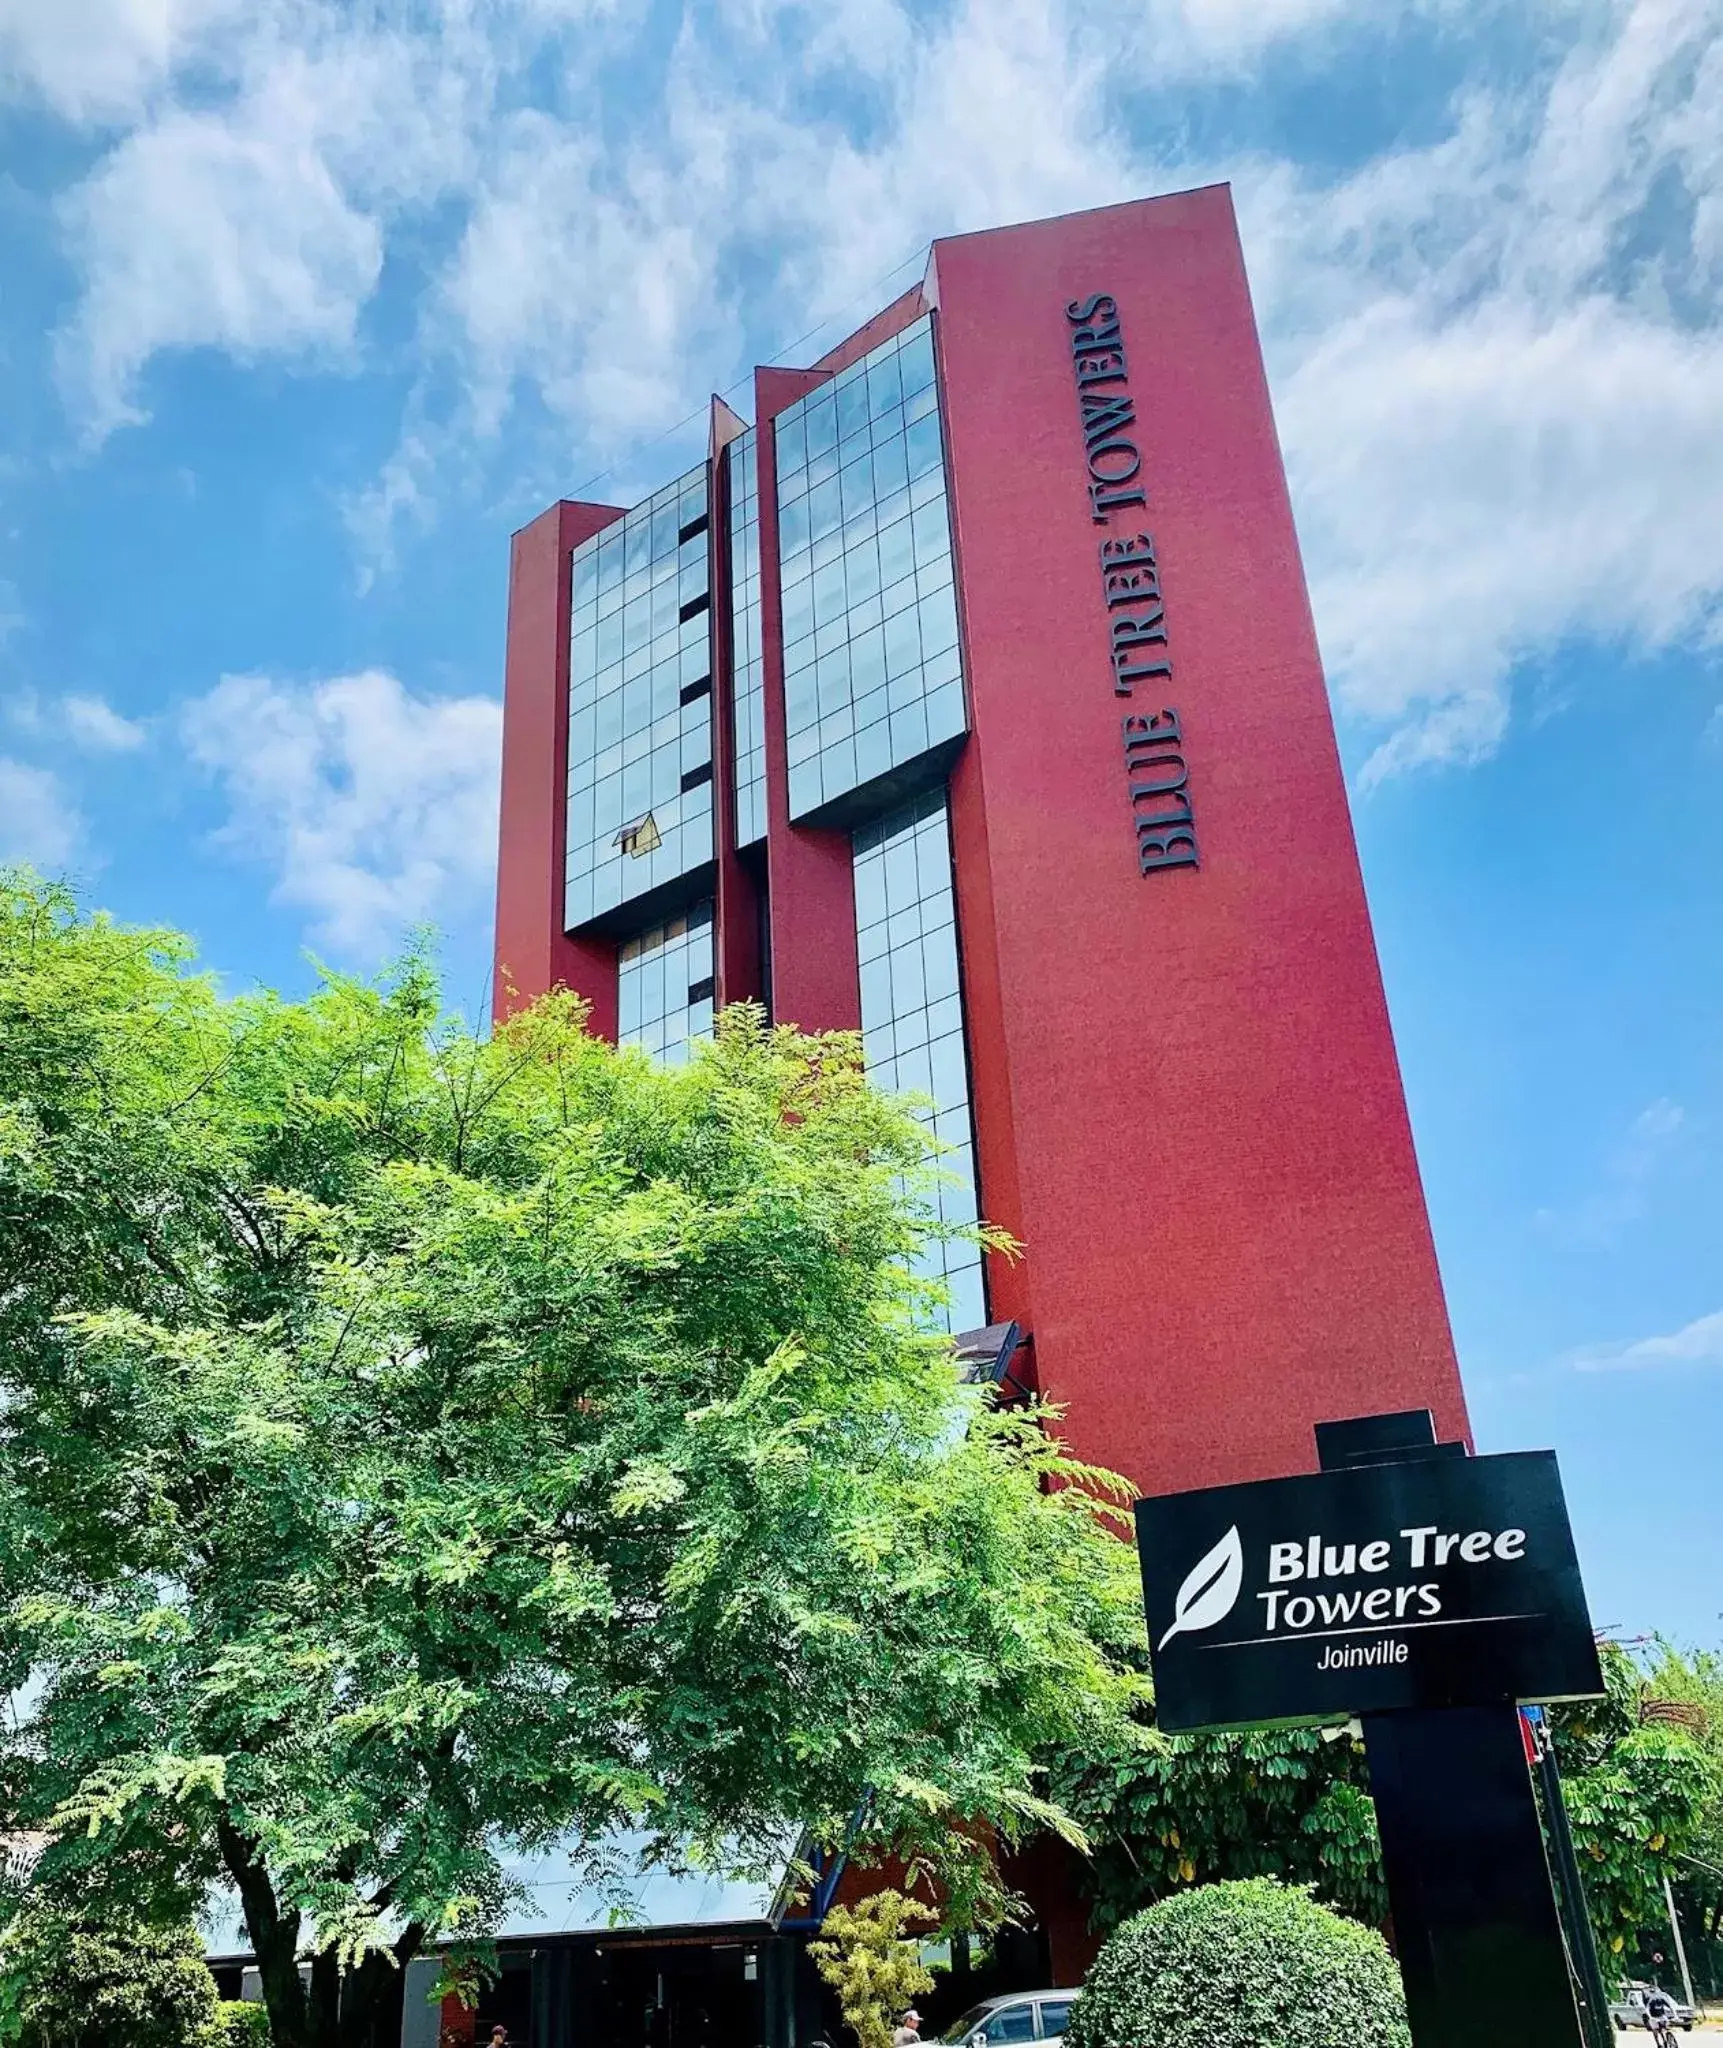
x=1426, y=1593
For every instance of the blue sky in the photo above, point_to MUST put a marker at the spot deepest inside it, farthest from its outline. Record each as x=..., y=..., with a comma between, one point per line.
x=304, y=305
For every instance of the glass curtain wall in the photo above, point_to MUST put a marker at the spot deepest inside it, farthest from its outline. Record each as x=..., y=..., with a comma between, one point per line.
x=872, y=674
x=749, y=669
x=912, y=1012
x=640, y=703
x=664, y=986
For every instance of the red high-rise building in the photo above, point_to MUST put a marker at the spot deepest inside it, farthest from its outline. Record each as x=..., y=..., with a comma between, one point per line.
x=970, y=696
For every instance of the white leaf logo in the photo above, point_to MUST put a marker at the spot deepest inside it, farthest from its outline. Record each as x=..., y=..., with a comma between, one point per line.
x=1210, y=1588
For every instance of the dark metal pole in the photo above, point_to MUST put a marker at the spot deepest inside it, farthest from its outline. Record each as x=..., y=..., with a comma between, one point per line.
x=1594, y=2003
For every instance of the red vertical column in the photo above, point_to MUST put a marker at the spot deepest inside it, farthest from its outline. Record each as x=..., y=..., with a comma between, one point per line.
x=534, y=952
x=816, y=982
x=1186, y=1094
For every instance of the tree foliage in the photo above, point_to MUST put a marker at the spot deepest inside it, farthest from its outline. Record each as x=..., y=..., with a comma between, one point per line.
x=1246, y=1964
x=413, y=1442
x=870, y=1954
x=1164, y=1812
x=67, y=1982
x=1684, y=1689
x=1644, y=1793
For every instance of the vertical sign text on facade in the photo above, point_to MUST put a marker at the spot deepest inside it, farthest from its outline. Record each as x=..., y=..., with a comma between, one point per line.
x=1155, y=768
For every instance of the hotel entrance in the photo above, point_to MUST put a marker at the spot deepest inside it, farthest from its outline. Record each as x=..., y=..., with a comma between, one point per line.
x=747, y=1991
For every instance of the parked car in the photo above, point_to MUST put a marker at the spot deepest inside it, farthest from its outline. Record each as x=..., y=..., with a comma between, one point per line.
x=1629, y=2009
x=1015, y=2016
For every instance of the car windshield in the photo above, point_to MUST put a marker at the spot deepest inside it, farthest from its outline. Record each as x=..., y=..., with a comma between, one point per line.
x=960, y=2029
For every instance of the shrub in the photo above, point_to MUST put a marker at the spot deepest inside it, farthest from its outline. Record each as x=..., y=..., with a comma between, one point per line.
x=871, y=1957
x=70, y=1982
x=1250, y=1964
x=247, y=2025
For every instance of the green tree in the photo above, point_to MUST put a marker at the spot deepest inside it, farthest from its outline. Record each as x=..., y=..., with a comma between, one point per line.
x=412, y=1442
x=1164, y=1812
x=1642, y=1794
x=67, y=1982
x=870, y=1955
x=1684, y=1689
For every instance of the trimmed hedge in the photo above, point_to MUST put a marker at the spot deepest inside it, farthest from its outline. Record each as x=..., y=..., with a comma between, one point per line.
x=1249, y=1964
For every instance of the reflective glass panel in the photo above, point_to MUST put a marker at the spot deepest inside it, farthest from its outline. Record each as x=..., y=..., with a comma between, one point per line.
x=750, y=686
x=664, y=986
x=912, y=1012
x=640, y=703
x=872, y=672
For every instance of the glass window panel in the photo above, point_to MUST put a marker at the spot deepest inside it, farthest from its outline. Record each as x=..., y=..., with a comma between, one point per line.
x=871, y=704
x=911, y=1014
x=855, y=481
x=884, y=381
x=932, y=534
x=872, y=562
x=654, y=974
x=873, y=748
x=898, y=597
x=922, y=446
x=861, y=571
x=915, y=358
x=939, y=960
x=924, y=490
x=945, y=713
x=890, y=470
x=630, y=738
x=828, y=592
x=902, y=644
x=791, y=436
x=793, y=532
x=822, y=425
x=852, y=403
x=896, y=552
x=909, y=731
x=888, y=427
x=938, y=615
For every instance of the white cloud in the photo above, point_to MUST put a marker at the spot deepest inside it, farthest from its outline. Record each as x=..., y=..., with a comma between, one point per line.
x=1697, y=1343
x=1496, y=357
x=99, y=60
x=1495, y=354
x=376, y=808
x=198, y=232
x=1499, y=360
x=257, y=224
x=38, y=822
x=95, y=724
x=88, y=723
x=1627, y=1178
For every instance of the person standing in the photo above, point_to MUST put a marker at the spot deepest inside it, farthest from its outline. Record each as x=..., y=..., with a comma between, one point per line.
x=908, y=2034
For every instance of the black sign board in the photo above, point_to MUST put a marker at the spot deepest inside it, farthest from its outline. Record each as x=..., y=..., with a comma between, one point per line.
x=1437, y=1582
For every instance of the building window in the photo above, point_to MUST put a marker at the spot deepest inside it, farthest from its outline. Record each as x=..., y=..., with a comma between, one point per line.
x=750, y=676
x=640, y=703
x=664, y=986
x=912, y=1012
x=872, y=673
